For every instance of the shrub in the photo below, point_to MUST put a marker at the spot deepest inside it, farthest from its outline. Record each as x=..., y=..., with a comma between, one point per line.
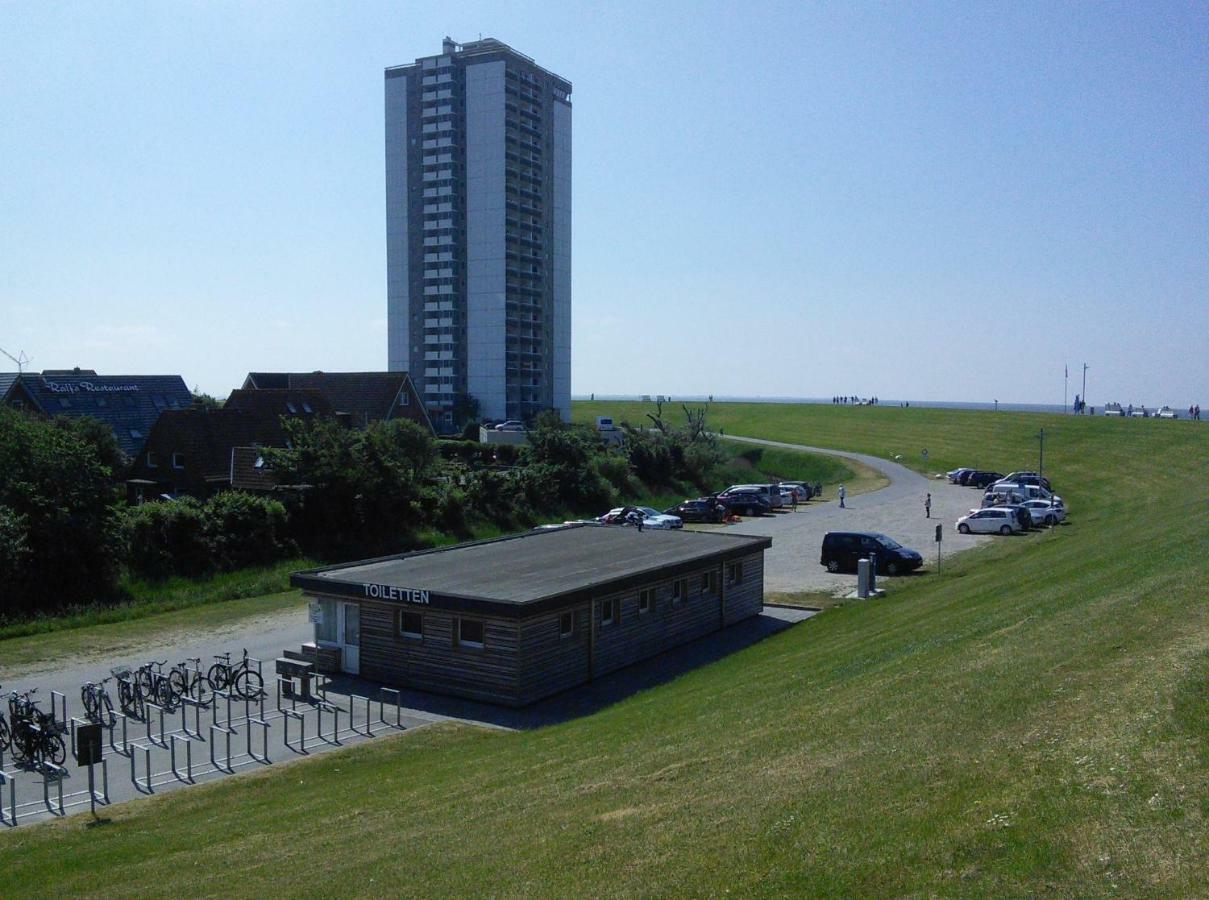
x=245, y=530
x=167, y=538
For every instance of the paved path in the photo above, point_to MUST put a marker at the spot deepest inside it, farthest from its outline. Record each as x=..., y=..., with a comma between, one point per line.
x=896, y=510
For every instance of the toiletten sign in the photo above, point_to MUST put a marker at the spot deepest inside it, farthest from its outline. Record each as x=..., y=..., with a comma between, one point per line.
x=396, y=594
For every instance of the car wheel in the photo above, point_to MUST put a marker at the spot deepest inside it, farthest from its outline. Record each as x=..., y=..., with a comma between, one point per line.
x=833, y=565
x=891, y=568
x=1049, y=520
x=963, y=528
x=1006, y=529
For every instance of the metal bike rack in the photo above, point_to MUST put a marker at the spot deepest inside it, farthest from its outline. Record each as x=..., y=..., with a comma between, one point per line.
x=264, y=732
x=221, y=698
x=287, y=715
x=187, y=741
x=188, y=703
x=320, y=708
x=352, y=719
x=382, y=694
x=162, y=740
x=135, y=750
x=103, y=797
x=123, y=750
x=249, y=704
x=58, y=702
x=287, y=694
x=51, y=772
x=227, y=731
x=8, y=779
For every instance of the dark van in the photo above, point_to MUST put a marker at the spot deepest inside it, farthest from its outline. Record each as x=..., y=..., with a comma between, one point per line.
x=841, y=550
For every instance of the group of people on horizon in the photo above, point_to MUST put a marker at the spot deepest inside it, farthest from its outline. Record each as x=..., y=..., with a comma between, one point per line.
x=1194, y=412
x=848, y=400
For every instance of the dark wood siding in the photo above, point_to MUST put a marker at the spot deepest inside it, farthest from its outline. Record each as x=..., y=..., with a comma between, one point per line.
x=551, y=663
x=436, y=663
x=639, y=635
x=747, y=599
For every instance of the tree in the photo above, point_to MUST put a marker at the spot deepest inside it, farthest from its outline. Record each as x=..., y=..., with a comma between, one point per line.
x=53, y=479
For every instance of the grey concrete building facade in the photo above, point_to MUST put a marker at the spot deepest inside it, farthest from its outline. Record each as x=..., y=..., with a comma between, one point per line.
x=478, y=230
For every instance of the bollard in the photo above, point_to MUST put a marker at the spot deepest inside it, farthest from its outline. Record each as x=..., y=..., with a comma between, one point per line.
x=862, y=578
x=873, y=574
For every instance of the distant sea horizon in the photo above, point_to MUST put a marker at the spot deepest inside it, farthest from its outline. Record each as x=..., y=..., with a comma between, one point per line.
x=826, y=401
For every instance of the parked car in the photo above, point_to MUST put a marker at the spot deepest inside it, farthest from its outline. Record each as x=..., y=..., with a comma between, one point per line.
x=746, y=503
x=1023, y=516
x=1000, y=497
x=1167, y=413
x=954, y=475
x=769, y=492
x=842, y=550
x=1028, y=478
x=1113, y=409
x=651, y=518
x=703, y=509
x=510, y=425
x=995, y=520
x=1045, y=512
x=982, y=479
x=801, y=488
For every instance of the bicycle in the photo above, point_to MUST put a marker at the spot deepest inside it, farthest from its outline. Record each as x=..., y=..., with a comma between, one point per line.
x=5, y=733
x=190, y=682
x=130, y=698
x=244, y=681
x=152, y=684
x=36, y=736
x=98, y=707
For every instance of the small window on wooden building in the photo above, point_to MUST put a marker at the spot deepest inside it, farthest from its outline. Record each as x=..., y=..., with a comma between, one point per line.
x=566, y=624
x=152, y=463
x=734, y=573
x=608, y=612
x=411, y=625
x=709, y=583
x=679, y=591
x=470, y=633
x=646, y=600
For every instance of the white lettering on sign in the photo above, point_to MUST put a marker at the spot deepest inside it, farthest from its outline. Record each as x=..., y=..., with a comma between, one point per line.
x=398, y=594
x=57, y=388
x=315, y=612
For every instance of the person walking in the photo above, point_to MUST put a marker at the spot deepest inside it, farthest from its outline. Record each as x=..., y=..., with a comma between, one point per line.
x=843, y=494
x=928, y=506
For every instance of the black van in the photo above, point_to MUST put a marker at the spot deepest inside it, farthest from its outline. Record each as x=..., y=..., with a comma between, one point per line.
x=841, y=550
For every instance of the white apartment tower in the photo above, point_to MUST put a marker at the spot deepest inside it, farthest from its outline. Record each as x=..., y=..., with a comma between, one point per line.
x=478, y=231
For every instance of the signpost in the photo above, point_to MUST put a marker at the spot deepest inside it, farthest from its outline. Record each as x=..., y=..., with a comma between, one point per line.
x=940, y=530
x=89, y=745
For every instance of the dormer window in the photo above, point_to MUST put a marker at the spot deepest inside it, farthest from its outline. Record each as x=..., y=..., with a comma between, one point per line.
x=151, y=462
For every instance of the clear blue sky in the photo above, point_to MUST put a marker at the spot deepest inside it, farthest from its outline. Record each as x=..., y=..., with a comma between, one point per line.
x=770, y=199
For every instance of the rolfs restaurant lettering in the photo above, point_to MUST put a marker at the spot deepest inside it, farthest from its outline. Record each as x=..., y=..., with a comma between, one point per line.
x=57, y=388
x=398, y=594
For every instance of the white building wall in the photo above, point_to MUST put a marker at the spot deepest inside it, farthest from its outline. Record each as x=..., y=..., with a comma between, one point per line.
x=562, y=258
x=398, y=336
x=485, y=248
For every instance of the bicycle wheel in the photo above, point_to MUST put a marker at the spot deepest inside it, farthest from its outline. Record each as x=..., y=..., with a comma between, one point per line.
x=105, y=714
x=90, y=704
x=249, y=685
x=126, y=696
x=201, y=691
x=54, y=749
x=5, y=735
x=219, y=676
x=165, y=694
x=179, y=679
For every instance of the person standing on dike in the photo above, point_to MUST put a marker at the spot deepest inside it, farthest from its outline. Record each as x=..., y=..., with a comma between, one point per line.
x=843, y=494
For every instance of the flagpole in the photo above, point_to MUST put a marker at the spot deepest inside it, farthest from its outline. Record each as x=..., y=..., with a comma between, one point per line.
x=1065, y=388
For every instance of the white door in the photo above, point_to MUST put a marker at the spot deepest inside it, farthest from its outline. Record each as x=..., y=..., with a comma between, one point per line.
x=350, y=637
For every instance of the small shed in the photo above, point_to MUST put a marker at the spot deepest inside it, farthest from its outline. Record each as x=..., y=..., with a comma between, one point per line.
x=515, y=619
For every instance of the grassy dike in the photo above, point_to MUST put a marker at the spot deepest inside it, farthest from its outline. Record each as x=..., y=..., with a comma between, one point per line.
x=1035, y=720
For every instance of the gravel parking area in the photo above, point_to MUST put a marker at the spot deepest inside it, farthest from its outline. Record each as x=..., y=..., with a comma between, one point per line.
x=896, y=510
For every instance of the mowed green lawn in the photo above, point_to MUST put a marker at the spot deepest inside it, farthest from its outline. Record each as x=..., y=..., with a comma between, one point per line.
x=1036, y=720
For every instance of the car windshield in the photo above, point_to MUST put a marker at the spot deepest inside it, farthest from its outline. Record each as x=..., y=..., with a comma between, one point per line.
x=647, y=511
x=888, y=543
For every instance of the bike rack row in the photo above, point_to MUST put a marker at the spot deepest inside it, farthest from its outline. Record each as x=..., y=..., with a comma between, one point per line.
x=236, y=732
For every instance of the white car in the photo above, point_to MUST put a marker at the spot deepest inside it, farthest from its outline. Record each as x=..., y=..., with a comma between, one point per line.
x=1043, y=512
x=1113, y=409
x=651, y=518
x=1168, y=413
x=994, y=520
x=510, y=425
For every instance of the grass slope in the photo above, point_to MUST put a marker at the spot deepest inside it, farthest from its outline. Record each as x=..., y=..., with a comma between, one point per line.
x=1033, y=721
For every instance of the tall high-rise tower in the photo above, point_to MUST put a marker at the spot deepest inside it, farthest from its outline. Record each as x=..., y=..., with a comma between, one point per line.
x=478, y=231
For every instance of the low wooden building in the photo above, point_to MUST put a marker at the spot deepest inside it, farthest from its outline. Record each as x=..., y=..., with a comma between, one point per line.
x=519, y=618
